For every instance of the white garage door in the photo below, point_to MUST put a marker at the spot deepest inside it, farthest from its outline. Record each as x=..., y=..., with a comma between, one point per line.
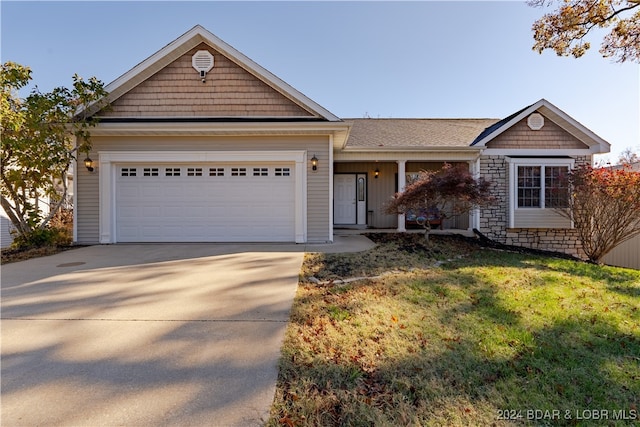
x=205, y=203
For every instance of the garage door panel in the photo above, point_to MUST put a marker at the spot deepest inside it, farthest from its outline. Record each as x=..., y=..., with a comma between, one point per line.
x=172, y=206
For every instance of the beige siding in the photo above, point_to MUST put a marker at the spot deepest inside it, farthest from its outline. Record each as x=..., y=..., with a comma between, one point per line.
x=5, y=231
x=87, y=202
x=318, y=203
x=626, y=254
x=317, y=182
x=550, y=136
x=539, y=218
x=379, y=190
x=229, y=90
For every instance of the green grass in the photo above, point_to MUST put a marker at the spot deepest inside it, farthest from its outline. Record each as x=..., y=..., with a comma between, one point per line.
x=458, y=344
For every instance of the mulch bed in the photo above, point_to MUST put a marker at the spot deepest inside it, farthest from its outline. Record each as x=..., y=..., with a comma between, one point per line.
x=15, y=255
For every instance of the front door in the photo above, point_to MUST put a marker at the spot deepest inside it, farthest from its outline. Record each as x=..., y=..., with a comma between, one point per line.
x=344, y=199
x=349, y=199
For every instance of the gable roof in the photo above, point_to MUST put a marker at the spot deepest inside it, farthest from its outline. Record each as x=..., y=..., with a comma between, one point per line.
x=547, y=109
x=188, y=41
x=407, y=134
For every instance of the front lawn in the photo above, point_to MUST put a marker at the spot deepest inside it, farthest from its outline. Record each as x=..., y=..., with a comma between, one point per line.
x=487, y=338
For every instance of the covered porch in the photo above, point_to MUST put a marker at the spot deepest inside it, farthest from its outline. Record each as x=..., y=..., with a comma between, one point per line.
x=362, y=189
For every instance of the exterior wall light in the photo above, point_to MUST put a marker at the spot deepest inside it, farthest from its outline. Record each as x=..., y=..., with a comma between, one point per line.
x=376, y=173
x=314, y=163
x=88, y=163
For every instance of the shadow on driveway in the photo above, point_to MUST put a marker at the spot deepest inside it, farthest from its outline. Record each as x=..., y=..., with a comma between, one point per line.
x=144, y=335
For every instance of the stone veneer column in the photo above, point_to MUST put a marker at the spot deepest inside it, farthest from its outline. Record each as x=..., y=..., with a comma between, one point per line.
x=402, y=181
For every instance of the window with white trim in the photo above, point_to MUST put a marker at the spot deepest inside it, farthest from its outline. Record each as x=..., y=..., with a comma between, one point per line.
x=537, y=187
x=216, y=171
x=536, y=192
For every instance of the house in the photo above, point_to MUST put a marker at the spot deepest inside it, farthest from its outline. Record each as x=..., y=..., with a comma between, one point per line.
x=201, y=144
x=7, y=229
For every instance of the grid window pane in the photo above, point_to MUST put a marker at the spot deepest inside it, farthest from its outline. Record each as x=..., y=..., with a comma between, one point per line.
x=529, y=186
x=283, y=172
x=556, y=187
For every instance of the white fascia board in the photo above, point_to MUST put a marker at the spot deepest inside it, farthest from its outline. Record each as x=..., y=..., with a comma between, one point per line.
x=148, y=67
x=470, y=149
x=513, y=121
x=264, y=74
x=189, y=40
x=540, y=152
x=201, y=156
x=220, y=128
x=412, y=156
x=600, y=146
x=597, y=145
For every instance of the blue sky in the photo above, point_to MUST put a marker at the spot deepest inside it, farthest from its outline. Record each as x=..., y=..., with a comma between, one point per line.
x=381, y=59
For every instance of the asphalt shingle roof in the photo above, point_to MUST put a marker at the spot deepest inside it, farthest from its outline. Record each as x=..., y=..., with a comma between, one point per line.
x=491, y=129
x=415, y=133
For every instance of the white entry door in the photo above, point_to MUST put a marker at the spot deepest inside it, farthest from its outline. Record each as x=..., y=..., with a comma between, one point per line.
x=344, y=199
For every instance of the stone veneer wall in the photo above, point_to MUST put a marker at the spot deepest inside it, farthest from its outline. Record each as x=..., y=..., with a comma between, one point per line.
x=494, y=220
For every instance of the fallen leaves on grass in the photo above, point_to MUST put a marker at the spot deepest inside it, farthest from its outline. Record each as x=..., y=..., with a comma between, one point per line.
x=451, y=345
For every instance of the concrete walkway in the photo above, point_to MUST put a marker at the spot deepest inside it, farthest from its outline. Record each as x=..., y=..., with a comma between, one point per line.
x=148, y=335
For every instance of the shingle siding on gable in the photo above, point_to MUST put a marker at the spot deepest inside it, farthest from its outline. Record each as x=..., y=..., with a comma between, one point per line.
x=229, y=91
x=550, y=136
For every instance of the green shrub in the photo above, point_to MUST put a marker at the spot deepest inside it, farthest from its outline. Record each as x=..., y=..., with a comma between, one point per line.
x=53, y=236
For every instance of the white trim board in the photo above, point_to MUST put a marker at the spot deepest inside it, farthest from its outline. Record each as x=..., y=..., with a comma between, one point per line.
x=191, y=39
x=107, y=172
x=512, y=193
x=559, y=117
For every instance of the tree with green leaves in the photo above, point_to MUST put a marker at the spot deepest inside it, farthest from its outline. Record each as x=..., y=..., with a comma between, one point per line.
x=565, y=29
x=440, y=194
x=42, y=135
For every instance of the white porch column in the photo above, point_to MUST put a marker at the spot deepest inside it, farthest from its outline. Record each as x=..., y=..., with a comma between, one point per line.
x=402, y=181
x=474, y=214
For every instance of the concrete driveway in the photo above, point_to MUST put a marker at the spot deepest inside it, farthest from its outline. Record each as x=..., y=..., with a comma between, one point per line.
x=145, y=335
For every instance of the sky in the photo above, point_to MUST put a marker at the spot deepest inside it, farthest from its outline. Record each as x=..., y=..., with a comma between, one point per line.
x=357, y=59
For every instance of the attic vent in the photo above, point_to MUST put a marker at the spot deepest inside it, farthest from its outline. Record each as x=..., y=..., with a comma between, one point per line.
x=202, y=61
x=535, y=121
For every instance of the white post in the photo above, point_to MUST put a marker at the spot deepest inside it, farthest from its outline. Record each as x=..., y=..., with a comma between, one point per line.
x=402, y=181
x=474, y=214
